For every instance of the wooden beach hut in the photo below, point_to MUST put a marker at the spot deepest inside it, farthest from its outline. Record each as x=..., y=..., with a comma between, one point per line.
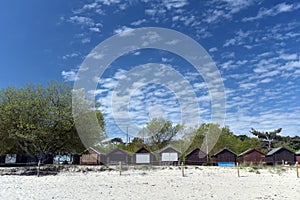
x=225, y=157
x=75, y=159
x=2, y=160
x=169, y=156
x=196, y=157
x=91, y=156
x=280, y=155
x=15, y=159
x=144, y=156
x=118, y=155
x=252, y=156
x=297, y=155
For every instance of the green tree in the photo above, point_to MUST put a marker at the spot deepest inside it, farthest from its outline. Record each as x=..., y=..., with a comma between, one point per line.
x=268, y=137
x=160, y=132
x=39, y=119
x=88, y=119
x=194, y=137
x=117, y=141
x=134, y=145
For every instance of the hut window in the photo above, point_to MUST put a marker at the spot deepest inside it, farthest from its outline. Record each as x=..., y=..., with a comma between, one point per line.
x=142, y=158
x=169, y=157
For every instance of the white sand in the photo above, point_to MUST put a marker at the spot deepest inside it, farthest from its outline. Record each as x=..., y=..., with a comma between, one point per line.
x=200, y=183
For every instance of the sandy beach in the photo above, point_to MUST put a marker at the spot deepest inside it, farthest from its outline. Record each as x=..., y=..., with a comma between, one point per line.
x=167, y=183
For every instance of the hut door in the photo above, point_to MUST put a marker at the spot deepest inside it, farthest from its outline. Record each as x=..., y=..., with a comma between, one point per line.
x=142, y=158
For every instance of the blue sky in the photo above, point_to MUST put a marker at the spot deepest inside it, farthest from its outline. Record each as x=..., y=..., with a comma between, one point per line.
x=254, y=44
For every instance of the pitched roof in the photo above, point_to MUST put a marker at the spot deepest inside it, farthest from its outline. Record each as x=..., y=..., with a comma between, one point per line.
x=118, y=149
x=138, y=151
x=94, y=149
x=195, y=150
x=298, y=152
x=169, y=146
x=225, y=148
x=277, y=149
x=249, y=150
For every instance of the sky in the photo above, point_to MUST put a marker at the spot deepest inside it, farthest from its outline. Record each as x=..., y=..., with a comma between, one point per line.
x=255, y=46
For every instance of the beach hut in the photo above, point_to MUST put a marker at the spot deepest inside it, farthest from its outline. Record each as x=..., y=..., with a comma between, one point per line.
x=2, y=159
x=34, y=159
x=15, y=159
x=118, y=155
x=196, y=157
x=225, y=157
x=297, y=155
x=75, y=159
x=62, y=159
x=169, y=156
x=252, y=156
x=280, y=155
x=91, y=156
x=144, y=156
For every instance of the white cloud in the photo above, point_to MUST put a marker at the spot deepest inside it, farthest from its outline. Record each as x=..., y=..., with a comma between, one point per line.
x=86, y=40
x=238, y=39
x=137, y=53
x=95, y=29
x=69, y=75
x=109, y=2
x=277, y=9
x=72, y=55
x=138, y=22
x=225, y=9
x=266, y=80
x=95, y=55
x=214, y=49
x=163, y=59
x=288, y=56
x=172, y=42
x=124, y=31
x=87, y=7
x=170, y=4
x=150, y=12
x=81, y=20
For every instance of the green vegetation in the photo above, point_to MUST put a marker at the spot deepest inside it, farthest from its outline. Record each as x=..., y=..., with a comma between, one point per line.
x=195, y=137
x=160, y=133
x=37, y=120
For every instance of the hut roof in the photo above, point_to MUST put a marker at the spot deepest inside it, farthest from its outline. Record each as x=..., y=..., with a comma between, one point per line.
x=250, y=150
x=195, y=150
x=169, y=146
x=298, y=152
x=141, y=150
x=276, y=150
x=93, y=149
x=224, y=149
x=118, y=149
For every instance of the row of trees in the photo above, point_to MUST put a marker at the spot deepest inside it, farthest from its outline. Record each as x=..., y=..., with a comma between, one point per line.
x=160, y=132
